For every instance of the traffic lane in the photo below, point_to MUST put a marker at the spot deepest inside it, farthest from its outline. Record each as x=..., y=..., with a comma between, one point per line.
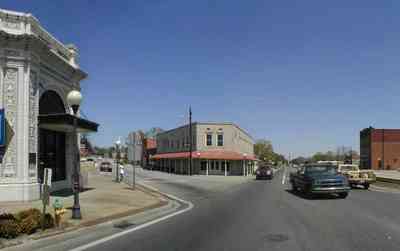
x=192, y=188
x=262, y=215
x=207, y=220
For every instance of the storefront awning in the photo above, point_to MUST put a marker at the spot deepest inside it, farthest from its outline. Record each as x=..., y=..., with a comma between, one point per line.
x=215, y=155
x=65, y=123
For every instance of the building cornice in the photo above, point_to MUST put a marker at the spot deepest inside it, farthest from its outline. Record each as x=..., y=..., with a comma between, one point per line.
x=25, y=25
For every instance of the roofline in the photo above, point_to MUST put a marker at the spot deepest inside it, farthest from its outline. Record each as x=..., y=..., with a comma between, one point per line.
x=374, y=129
x=58, y=48
x=210, y=123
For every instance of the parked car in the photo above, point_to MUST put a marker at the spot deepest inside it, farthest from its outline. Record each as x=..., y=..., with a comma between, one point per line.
x=356, y=176
x=105, y=167
x=319, y=179
x=264, y=172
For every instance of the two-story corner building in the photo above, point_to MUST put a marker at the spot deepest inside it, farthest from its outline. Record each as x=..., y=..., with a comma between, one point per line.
x=217, y=148
x=36, y=74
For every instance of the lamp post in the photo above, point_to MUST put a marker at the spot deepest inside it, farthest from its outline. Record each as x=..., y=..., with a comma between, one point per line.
x=74, y=99
x=117, y=146
x=244, y=164
x=190, y=142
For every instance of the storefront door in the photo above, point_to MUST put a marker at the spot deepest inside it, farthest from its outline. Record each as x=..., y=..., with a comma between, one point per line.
x=52, y=154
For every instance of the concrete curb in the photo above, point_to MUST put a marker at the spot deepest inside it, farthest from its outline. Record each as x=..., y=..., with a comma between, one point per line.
x=388, y=180
x=144, y=188
x=144, y=225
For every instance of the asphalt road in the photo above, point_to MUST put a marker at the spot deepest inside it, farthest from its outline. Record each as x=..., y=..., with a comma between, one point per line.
x=265, y=215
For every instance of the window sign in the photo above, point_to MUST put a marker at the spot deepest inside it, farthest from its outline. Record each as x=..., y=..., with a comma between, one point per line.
x=2, y=128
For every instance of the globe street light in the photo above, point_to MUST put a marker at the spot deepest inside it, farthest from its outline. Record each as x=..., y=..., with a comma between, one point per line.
x=74, y=99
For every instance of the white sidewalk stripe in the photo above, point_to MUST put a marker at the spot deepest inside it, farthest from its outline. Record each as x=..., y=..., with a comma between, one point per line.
x=103, y=240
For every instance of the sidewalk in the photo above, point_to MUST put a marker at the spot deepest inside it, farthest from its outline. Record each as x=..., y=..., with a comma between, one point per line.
x=390, y=176
x=103, y=200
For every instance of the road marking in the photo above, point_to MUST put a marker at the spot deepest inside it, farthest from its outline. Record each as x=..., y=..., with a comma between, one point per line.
x=103, y=240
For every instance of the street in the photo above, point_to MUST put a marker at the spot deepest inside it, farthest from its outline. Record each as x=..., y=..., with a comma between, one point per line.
x=264, y=215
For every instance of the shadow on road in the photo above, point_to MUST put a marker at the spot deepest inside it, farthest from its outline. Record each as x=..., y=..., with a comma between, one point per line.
x=313, y=197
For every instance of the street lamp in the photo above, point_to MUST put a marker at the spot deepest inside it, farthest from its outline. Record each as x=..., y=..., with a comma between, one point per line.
x=74, y=99
x=117, y=146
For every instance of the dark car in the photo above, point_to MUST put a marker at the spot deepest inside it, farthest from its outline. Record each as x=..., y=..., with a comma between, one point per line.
x=105, y=167
x=320, y=179
x=264, y=172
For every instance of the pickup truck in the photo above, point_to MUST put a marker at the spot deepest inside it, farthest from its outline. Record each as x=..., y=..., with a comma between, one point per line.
x=356, y=176
x=319, y=179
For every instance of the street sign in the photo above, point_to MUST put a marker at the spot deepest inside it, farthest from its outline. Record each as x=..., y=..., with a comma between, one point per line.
x=2, y=128
x=47, y=177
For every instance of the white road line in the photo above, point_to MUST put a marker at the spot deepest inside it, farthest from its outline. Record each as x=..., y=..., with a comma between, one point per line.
x=103, y=240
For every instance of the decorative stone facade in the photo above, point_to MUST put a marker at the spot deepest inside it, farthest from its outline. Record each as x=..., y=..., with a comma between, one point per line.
x=32, y=61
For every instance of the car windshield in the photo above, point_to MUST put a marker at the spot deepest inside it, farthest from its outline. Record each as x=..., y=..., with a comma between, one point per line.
x=348, y=168
x=320, y=170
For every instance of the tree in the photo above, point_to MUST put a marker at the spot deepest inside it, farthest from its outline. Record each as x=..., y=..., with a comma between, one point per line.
x=265, y=152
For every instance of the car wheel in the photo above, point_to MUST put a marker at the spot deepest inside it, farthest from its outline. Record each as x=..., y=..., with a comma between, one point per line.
x=366, y=186
x=343, y=195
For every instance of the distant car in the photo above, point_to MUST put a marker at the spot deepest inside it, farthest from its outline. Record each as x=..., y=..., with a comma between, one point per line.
x=105, y=167
x=320, y=179
x=264, y=172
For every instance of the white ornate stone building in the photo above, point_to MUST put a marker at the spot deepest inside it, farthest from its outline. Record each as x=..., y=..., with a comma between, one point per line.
x=36, y=74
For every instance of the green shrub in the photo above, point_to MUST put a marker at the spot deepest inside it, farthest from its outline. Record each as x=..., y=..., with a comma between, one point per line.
x=48, y=221
x=28, y=213
x=29, y=220
x=29, y=225
x=9, y=229
x=6, y=216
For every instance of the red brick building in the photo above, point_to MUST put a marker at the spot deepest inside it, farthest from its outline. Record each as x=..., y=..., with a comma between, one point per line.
x=149, y=149
x=380, y=149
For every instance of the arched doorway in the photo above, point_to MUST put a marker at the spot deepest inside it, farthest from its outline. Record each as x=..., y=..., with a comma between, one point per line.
x=51, y=142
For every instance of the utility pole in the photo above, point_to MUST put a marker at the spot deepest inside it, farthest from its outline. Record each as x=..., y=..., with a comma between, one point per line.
x=383, y=149
x=190, y=140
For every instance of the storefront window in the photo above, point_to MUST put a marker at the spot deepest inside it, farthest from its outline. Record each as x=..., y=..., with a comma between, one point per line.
x=203, y=165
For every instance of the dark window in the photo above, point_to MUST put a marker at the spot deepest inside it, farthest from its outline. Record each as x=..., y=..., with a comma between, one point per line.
x=212, y=165
x=52, y=154
x=203, y=165
x=209, y=139
x=227, y=166
x=220, y=140
x=217, y=165
x=51, y=103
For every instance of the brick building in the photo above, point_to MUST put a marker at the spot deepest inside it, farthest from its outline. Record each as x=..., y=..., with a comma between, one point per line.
x=380, y=148
x=218, y=149
x=149, y=149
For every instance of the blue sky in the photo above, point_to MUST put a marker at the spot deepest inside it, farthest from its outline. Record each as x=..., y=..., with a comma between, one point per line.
x=308, y=75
